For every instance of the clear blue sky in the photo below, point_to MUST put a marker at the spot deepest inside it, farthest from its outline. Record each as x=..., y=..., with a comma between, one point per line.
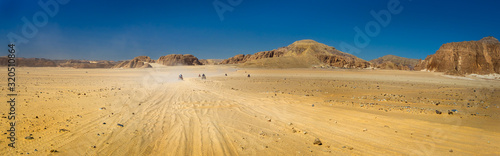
x=120, y=30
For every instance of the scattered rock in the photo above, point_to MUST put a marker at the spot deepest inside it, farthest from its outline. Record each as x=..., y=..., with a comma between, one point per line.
x=438, y=112
x=451, y=150
x=53, y=151
x=120, y=125
x=63, y=130
x=29, y=137
x=317, y=142
x=262, y=133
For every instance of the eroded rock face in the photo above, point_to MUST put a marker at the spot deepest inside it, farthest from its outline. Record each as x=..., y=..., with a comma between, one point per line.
x=469, y=57
x=137, y=62
x=240, y=58
x=394, y=63
x=343, y=61
x=324, y=54
x=178, y=59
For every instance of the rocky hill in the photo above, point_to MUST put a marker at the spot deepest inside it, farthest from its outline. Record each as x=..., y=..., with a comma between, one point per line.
x=303, y=53
x=468, y=57
x=137, y=62
x=394, y=62
x=178, y=59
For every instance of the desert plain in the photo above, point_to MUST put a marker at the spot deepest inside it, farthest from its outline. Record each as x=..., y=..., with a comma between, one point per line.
x=67, y=111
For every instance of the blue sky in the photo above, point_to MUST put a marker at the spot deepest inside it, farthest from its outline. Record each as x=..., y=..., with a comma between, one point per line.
x=121, y=30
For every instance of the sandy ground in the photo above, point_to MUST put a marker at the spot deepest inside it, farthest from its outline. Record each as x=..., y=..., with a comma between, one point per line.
x=274, y=112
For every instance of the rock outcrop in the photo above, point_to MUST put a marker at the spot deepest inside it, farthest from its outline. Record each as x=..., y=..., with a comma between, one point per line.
x=137, y=62
x=468, y=57
x=394, y=63
x=178, y=59
x=312, y=52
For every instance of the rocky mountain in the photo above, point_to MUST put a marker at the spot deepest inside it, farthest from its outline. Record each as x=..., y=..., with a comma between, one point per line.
x=303, y=53
x=137, y=62
x=178, y=59
x=468, y=57
x=394, y=62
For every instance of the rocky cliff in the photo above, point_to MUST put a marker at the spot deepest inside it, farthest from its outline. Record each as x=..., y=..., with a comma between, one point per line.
x=309, y=52
x=178, y=59
x=394, y=62
x=137, y=62
x=469, y=57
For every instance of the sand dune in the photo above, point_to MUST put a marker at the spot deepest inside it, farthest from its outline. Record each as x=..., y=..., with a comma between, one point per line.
x=274, y=112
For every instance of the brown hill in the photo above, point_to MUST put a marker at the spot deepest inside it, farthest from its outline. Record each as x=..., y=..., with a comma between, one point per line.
x=178, y=59
x=303, y=53
x=394, y=62
x=468, y=57
x=137, y=62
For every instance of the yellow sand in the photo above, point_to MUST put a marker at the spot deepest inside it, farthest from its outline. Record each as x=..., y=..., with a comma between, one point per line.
x=355, y=112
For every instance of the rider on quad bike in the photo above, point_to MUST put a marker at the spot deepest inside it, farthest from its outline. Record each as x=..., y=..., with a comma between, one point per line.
x=180, y=77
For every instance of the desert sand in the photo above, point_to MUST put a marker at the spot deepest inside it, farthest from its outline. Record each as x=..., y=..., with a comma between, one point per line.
x=274, y=112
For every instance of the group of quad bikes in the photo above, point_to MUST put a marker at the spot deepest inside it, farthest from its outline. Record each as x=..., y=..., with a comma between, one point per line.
x=203, y=77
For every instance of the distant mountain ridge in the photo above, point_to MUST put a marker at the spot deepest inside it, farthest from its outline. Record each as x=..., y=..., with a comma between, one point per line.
x=42, y=62
x=394, y=62
x=457, y=58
